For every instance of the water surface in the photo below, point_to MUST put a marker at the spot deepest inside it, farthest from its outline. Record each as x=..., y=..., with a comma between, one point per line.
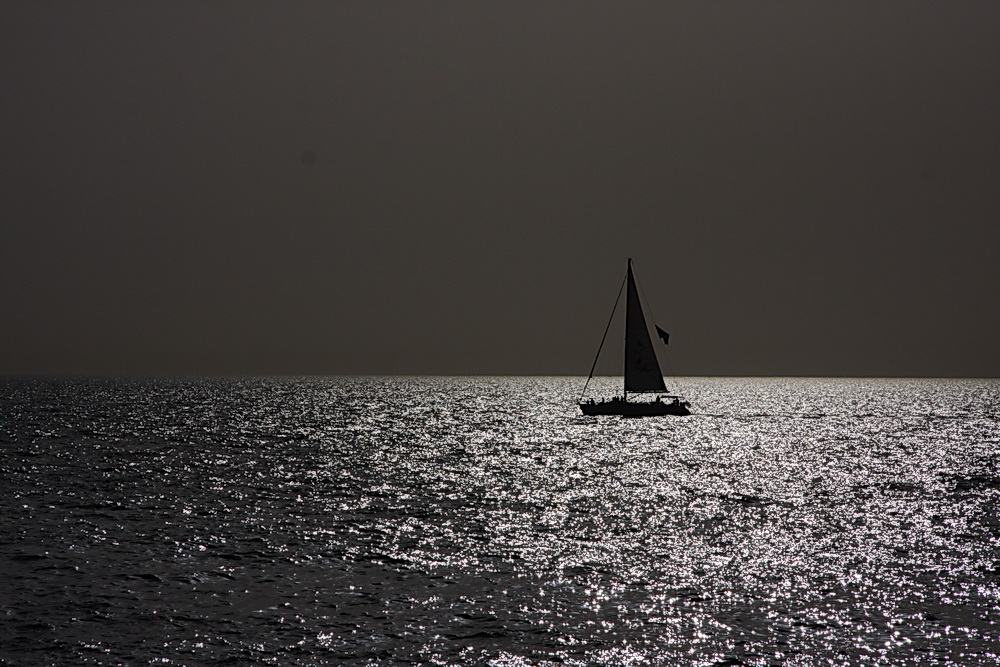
x=456, y=521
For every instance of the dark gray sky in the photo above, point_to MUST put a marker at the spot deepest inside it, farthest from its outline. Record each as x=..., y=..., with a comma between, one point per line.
x=454, y=187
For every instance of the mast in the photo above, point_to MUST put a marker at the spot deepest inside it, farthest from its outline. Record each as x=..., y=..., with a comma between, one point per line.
x=642, y=369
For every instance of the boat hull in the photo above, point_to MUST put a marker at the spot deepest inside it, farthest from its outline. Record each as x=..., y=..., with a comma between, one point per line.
x=627, y=409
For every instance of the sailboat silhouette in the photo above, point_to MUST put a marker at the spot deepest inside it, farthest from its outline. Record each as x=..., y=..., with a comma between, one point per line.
x=642, y=368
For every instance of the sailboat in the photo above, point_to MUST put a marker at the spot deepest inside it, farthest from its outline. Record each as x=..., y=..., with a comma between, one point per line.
x=642, y=369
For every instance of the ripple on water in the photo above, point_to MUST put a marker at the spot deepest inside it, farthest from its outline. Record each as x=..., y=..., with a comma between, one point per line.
x=482, y=520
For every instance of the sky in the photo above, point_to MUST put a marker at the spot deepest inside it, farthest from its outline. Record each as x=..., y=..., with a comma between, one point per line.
x=454, y=188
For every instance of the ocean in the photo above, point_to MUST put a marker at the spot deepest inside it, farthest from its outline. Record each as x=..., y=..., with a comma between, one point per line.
x=485, y=521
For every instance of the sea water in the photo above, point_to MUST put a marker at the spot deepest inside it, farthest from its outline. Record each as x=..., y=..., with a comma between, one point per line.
x=485, y=521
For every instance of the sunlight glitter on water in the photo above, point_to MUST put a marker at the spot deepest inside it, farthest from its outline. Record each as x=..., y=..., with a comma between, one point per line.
x=484, y=521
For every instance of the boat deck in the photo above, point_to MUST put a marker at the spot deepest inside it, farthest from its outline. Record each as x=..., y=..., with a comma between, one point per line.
x=656, y=408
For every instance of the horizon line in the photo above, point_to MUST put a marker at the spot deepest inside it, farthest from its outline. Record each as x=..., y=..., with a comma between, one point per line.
x=98, y=375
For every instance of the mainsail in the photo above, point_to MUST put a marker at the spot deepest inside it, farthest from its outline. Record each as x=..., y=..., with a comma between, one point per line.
x=642, y=370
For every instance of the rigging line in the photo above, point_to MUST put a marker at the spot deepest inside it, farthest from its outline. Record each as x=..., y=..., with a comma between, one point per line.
x=603, y=338
x=645, y=303
x=672, y=376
